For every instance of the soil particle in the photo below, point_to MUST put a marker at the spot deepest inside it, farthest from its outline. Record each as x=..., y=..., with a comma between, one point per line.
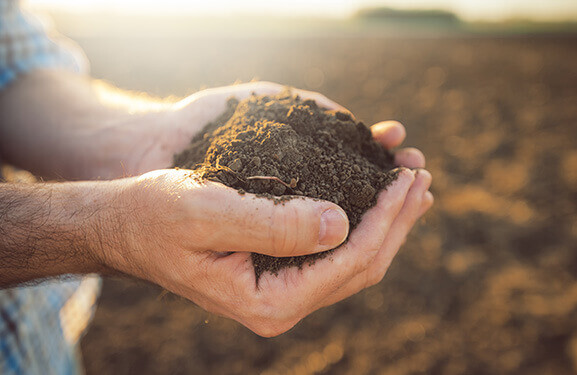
x=281, y=146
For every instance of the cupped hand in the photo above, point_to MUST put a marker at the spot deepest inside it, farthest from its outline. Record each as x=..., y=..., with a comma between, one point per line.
x=175, y=127
x=194, y=238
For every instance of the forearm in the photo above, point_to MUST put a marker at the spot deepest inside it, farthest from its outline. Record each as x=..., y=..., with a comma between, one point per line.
x=50, y=229
x=63, y=125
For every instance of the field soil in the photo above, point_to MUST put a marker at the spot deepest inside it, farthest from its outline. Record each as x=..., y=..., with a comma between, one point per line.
x=485, y=284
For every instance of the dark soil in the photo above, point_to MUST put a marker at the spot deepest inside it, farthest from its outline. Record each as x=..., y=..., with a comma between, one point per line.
x=284, y=146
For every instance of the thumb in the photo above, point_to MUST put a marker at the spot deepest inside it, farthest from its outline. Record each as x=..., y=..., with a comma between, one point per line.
x=289, y=228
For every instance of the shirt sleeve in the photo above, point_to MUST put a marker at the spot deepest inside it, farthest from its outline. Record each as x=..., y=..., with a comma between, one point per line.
x=26, y=44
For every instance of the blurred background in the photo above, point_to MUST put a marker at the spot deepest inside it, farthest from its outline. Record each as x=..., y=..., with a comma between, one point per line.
x=486, y=283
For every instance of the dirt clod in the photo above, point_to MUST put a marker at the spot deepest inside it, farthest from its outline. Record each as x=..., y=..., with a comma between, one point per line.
x=284, y=146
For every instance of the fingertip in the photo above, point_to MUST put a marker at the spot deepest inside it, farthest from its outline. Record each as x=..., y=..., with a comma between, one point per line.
x=418, y=189
x=405, y=177
x=410, y=157
x=427, y=202
x=333, y=229
x=389, y=133
x=396, y=193
x=389, y=125
x=424, y=177
x=429, y=198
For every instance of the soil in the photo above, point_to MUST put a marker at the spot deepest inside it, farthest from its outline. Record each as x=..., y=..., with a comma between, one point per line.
x=486, y=283
x=281, y=147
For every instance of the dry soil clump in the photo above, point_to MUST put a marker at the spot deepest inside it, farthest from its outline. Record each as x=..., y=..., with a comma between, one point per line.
x=282, y=146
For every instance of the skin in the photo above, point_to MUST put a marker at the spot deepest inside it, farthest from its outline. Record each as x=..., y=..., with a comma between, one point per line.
x=191, y=237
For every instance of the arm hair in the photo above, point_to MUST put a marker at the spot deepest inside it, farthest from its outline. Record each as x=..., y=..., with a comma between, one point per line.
x=48, y=230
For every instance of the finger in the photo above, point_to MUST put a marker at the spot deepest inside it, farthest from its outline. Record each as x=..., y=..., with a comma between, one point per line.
x=305, y=289
x=395, y=237
x=280, y=301
x=230, y=221
x=389, y=133
x=428, y=200
x=375, y=223
x=402, y=226
x=363, y=244
x=410, y=157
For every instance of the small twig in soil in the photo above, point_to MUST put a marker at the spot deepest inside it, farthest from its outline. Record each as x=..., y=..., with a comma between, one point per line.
x=291, y=185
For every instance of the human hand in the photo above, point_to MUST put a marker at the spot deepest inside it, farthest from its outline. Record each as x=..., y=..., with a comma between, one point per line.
x=172, y=129
x=184, y=232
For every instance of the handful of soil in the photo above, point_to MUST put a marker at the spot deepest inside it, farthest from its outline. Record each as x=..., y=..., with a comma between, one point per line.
x=281, y=146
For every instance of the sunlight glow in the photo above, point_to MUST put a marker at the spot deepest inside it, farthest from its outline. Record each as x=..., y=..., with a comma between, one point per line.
x=332, y=8
x=468, y=9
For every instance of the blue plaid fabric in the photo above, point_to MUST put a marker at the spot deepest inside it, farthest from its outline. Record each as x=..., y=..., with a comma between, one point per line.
x=25, y=45
x=40, y=325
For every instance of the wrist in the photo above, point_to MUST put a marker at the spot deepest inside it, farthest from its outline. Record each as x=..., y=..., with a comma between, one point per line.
x=47, y=230
x=107, y=218
x=77, y=209
x=121, y=226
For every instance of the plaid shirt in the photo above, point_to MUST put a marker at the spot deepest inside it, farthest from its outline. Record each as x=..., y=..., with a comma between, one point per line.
x=40, y=325
x=25, y=45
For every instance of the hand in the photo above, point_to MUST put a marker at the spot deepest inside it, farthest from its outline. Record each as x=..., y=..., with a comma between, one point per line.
x=170, y=130
x=167, y=227
x=149, y=141
x=184, y=229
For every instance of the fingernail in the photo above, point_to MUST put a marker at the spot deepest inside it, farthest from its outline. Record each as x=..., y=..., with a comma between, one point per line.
x=334, y=228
